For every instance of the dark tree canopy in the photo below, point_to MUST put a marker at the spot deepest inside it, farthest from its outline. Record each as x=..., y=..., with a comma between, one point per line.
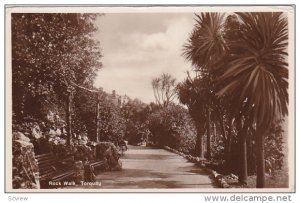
x=49, y=52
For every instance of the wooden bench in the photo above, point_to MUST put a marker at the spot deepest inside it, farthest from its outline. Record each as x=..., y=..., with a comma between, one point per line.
x=51, y=170
x=96, y=164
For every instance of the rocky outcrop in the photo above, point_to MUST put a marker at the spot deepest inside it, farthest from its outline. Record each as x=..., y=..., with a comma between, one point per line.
x=220, y=180
x=25, y=169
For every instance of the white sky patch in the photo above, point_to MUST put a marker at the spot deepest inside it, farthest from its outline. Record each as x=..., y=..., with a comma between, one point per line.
x=139, y=47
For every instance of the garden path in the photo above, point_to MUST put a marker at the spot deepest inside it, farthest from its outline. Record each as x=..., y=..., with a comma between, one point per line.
x=149, y=168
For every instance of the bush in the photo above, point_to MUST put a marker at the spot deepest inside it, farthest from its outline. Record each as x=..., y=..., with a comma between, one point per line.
x=172, y=126
x=274, y=145
x=108, y=152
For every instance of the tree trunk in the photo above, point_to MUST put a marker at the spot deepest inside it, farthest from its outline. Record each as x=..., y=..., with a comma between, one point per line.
x=228, y=142
x=208, y=136
x=223, y=131
x=242, y=143
x=228, y=152
x=69, y=118
x=260, y=159
x=228, y=146
x=199, y=144
x=243, y=165
x=98, y=118
x=215, y=130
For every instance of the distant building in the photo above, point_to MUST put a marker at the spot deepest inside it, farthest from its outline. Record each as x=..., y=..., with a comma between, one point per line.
x=116, y=99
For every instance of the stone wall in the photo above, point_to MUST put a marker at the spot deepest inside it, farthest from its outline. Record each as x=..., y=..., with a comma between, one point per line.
x=25, y=169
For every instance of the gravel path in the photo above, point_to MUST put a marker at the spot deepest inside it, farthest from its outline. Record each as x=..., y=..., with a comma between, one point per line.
x=147, y=168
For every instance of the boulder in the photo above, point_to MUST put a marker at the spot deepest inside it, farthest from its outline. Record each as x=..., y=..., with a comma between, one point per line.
x=50, y=116
x=52, y=133
x=82, y=142
x=20, y=136
x=36, y=133
x=62, y=141
x=58, y=132
x=24, y=164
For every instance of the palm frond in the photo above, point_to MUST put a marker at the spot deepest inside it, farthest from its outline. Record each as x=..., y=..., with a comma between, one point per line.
x=260, y=67
x=206, y=43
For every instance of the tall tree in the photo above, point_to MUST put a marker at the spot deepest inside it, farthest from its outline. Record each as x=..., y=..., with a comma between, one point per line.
x=257, y=74
x=164, y=89
x=49, y=52
x=193, y=95
x=204, y=48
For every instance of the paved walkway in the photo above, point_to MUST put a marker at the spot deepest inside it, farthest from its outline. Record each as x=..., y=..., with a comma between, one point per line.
x=149, y=168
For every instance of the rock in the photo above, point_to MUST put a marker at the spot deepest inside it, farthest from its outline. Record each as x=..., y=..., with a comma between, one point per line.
x=83, y=142
x=20, y=136
x=34, y=186
x=24, y=164
x=58, y=132
x=220, y=179
x=62, y=141
x=23, y=144
x=79, y=171
x=50, y=116
x=36, y=132
x=52, y=133
x=234, y=177
x=85, y=138
x=225, y=185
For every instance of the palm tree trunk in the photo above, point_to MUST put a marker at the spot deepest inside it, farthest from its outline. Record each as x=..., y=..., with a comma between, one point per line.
x=208, y=136
x=228, y=152
x=199, y=144
x=243, y=165
x=242, y=140
x=228, y=148
x=228, y=143
x=260, y=159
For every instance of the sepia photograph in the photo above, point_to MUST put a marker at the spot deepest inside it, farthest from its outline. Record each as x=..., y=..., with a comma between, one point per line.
x=150, y=99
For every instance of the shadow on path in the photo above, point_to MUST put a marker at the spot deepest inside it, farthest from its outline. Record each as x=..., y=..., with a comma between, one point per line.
x=150, y=168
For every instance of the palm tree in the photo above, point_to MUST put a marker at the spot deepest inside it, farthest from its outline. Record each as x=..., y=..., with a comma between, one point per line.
x=193, y=93
x=257, y=74
x=206, y=46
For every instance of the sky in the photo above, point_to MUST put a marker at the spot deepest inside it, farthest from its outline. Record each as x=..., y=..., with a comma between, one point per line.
x=138, y=47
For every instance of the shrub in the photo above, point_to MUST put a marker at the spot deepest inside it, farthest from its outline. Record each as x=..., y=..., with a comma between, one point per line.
x=107, y=151
x=172, y=126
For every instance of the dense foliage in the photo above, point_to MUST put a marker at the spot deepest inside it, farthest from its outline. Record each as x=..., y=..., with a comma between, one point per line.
x=135, y=113
x=49, y=53
x=111, y=123
x=173, y=127
x=243, y=57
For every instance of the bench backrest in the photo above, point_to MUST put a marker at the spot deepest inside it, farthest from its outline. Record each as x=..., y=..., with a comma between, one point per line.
x=47, y=164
